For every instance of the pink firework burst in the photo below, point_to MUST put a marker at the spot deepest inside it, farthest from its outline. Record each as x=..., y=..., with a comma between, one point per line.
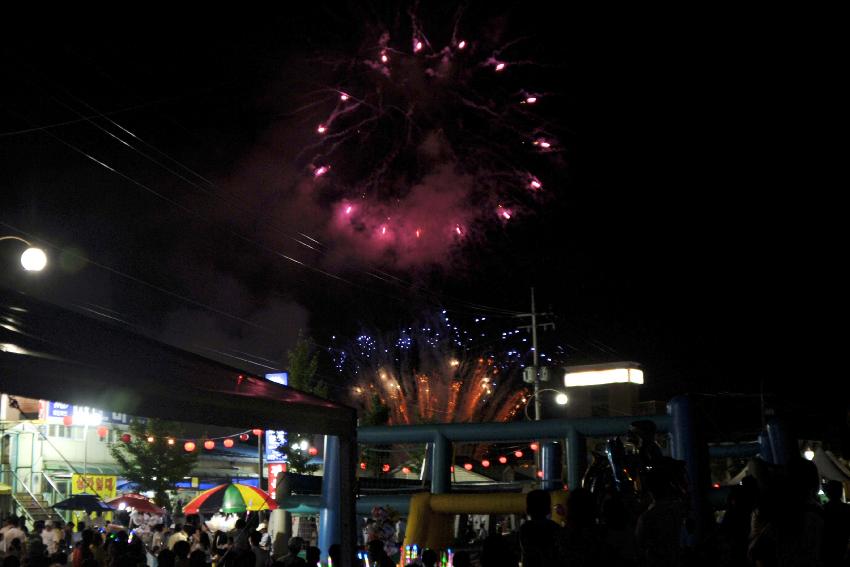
x=427, y=133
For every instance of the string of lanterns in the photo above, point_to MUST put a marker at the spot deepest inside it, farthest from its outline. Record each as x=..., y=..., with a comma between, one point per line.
x=485, y=463
x=189, y=445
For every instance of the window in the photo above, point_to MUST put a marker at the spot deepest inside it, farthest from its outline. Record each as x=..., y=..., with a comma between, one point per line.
x=63, y=432
x=112, y=436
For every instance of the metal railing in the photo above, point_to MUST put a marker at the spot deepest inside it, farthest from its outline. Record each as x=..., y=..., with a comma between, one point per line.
x=56, y=492
x=37, y=501
x=55, y=496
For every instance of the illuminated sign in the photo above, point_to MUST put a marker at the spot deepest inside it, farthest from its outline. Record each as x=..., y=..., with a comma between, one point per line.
x=274, y=445
x=274, y=469
x=600, y=374
x=102, y=485
x=279, y=378
x=56, y=412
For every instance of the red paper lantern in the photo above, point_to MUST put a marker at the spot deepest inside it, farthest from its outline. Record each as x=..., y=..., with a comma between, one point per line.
x=209, y=444
x=385, y=467
x=518, y=454
x=452, y=468
x=313, y=451
x=405, y=470
x=67, y=421
x=503, y=459
x=257, y=432
x=362, y=466
x=102, y=432
x=189, y=446
x=468, y=466
x=534, y=446
x=243, y=437
x=126, y=438
x=228, y=443
x=485, y=463
x=539, y=474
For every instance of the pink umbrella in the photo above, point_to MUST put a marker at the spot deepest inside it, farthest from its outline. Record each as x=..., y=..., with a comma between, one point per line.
x=138, y=502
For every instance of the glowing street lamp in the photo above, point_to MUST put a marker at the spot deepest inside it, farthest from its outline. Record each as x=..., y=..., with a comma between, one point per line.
x=560, y=398
x=33, y=259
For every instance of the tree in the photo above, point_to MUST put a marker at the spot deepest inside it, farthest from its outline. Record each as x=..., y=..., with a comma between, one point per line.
x=154, y=465
x=376, y=413
x=303, y=364
x=297, y=461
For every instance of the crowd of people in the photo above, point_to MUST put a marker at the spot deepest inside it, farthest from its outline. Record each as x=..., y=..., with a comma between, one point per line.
x=771, y=519
x=52, y=544
x=774, y=519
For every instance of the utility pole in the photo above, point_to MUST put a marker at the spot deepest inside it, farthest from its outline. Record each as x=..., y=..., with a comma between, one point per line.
x=260, y=460
x=538, y=406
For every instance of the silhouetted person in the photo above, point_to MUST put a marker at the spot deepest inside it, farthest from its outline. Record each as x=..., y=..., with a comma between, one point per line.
x=291, y=559
x=429, y=558
x=59, y=558
x=580, y=540
x=461, y=559
x=165, y=558
x=378, y=556
x=539, y=536
x=197, y=558
x=497, y=553
x=314, y=554
x=659, y=531
x=734, y=530
x=82, y=549
x=642, y=435
x=791, y=532
x=335, y=554
x=618, y=534
x=240, y=535
x=836, y=525
x=181, y=551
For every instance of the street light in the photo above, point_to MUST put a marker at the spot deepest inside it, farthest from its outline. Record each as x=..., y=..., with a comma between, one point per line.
x=33, y=259
x=560, y=398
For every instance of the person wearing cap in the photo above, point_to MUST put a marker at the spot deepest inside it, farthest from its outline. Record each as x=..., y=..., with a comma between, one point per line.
x=265, y=538
x=50, y=537
x=291, y=559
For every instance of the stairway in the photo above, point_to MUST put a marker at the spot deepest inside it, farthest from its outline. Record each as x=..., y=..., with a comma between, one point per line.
x=36, y=508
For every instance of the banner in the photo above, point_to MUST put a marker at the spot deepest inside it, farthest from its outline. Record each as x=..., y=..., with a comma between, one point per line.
x=274, y=468
x=275, y=443
x=102, y=485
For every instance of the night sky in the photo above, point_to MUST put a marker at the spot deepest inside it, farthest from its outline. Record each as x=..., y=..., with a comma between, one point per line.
x=660, y=239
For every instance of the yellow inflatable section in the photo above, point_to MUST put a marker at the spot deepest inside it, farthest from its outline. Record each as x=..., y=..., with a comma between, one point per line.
x=430, y=521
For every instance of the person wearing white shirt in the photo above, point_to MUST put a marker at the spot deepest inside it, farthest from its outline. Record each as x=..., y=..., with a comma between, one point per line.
x=179, y=535
x=10, y=532
x=50, y=536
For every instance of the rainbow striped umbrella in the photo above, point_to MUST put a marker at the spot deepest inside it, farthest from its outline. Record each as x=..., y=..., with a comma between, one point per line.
x=230, y=498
